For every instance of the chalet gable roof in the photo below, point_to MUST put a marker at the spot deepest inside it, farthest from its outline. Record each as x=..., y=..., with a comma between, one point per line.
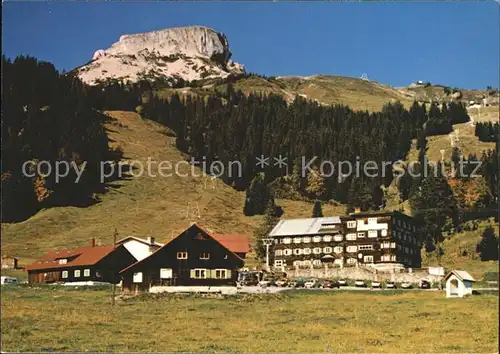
x=460, y=274
x=234, y=242
x=11, y=257
x=82, y=256
x=179, y=235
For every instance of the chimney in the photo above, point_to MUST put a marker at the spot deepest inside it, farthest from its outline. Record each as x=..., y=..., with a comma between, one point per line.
x=92, y=242
x=151, y=240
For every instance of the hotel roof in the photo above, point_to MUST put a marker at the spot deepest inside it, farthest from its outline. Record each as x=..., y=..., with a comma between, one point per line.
x=309, y=226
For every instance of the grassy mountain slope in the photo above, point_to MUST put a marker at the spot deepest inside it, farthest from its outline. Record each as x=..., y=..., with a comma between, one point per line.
x=460, y=253
x=442, y=93
x=467, y=141
x=144, y=205
x=325, y=89
x=356, y=93
x=328, y=89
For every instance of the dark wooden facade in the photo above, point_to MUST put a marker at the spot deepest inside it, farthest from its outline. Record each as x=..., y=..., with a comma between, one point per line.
x=359, y=239
x=194, y=258
x=105, y=268
x=402, y=236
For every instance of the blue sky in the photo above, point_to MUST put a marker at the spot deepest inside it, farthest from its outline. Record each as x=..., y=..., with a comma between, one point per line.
x=452, y=43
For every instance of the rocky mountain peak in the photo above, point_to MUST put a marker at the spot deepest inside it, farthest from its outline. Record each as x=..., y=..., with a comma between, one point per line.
x=188, y=53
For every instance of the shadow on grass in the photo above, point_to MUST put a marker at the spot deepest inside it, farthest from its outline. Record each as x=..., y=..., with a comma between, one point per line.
x=26, y=198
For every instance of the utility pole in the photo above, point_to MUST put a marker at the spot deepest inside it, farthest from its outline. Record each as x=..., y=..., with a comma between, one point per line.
x=267, y=242
x=113, y=285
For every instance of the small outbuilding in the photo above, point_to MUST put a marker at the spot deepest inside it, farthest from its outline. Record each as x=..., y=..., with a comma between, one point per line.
x=458, y=283
x=10, y=262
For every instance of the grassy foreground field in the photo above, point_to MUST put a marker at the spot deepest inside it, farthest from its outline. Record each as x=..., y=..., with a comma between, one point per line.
x=41, y=319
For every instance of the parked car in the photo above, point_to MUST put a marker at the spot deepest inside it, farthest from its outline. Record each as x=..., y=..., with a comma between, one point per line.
x=250, y=282
x=297, y=283
x=8, y=280
x=311, y=284
x=390, y=285
x=360, y=283
x=330, y=284
x=282, y=282
x=406, y=285
x=267, y=282
x=263, y=282
x=425, y=284
x=376, y=284
x=343, y=282
x=248, y=279
x=279, y=275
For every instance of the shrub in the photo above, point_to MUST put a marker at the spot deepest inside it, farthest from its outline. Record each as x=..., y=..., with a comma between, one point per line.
x=488, y=246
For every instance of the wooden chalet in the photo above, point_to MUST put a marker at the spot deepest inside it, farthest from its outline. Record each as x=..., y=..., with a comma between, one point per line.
x=89, y=263
x=193, y=258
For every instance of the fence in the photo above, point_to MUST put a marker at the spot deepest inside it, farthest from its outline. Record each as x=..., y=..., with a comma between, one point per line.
x=366, y=273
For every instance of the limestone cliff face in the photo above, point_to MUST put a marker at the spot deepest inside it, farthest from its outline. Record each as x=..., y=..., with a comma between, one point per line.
x=190, y=53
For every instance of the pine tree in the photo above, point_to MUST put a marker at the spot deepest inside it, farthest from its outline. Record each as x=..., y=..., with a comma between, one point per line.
x=248, y=208
x=258, y=196
x=433, y=203
x=51, y=117
x=360, y=196
x=490, y=171
x=296, y=179
x=405, y=183
x=378, y=200
x=429, y=244
x=315, y=184
x=455, y=158
x=317, y=210
x=269, y=222
x=488, y=246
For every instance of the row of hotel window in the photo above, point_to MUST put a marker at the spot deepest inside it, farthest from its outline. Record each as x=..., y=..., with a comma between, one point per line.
x=197, y=273
x=407, y=250
x=339, y=261
x=340, y=249
x=404, y=236
x=319, y=250
x=405, y=225
x=348, y=237
x=329, y=238
x=76, y=273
